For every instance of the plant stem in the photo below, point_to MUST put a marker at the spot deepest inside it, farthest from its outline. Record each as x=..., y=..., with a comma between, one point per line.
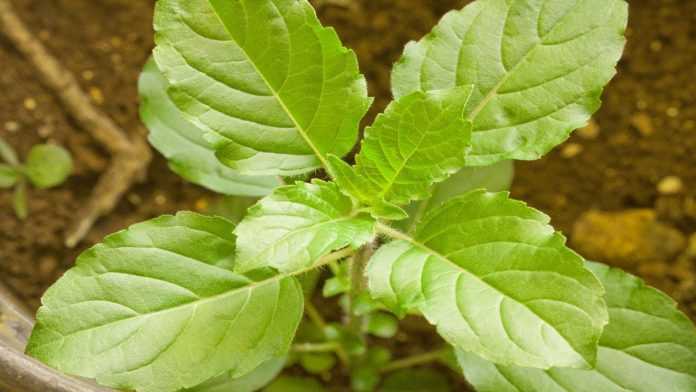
x=315, y=347
x=315, y=316
x=393, y=233
x=414, y=360
x=20, y=199
x=319, y=321
x=358, y=282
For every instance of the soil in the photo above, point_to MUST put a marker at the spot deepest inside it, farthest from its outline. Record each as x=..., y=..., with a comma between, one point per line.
x=645, y=131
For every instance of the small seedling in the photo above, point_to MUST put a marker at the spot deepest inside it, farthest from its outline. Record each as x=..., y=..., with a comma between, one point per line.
x=245, y=97
x=46, y=166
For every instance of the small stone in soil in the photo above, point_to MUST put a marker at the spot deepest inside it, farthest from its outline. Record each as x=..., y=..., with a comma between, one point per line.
x=160, y=200
x=87, y=75
x=589, y=131
x=626, y=238
x=45, y=131
x=571, y=150
x=670, y=185
x=30, y=103
x=96, y=95
x=201, y=204
x=673, y=112
x=12, y=126
x=134, y=198
x=656, y=46
x=643, y=123
x=47, y=265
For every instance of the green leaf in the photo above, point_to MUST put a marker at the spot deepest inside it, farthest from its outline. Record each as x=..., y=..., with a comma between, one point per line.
x=48, y=165
x=361, y=190
x=251, y=382
x=388, y=211
x=153, y=310
x=297, y=225
x=382, y=325
x=494, y=178
x=415, y=380
x=275, y=91
x=352, y=342
x=187, y=151
x=335, y=286
x=496, y=280
x=647, y=346
x=538, y=66
x=294, y=384
x=8, y=154
x=364, y=379
x=9, y=176
x=420, y=139
x=317, y=363
x=355, y=186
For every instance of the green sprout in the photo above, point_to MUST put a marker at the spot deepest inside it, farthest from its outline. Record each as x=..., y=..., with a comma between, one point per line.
x=46, y=166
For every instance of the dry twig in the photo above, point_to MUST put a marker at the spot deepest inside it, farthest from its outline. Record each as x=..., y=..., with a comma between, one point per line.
x=130, y=157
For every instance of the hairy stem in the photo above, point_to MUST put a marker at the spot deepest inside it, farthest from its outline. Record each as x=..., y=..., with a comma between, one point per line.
x=358, y=282
x=414, y=360
x=393, y=233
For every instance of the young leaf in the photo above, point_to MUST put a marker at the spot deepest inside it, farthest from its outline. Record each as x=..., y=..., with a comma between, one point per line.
x=9, y=176
x=647, y=346
x=297, y=225
x=274, y=89
x=317, y=363
x=539, y=67
x=251, y=382
x=8, y=154
x=496, y=280
x=153, y=310
x=189, y=154
x=420, y=139
x=382, y=325
x=48, y=165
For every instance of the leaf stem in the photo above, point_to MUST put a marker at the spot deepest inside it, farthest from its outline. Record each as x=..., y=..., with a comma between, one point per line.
x=393, y=233
x=414, y=360
x=319, y=321
x=20, y=199
x=315, y=347
x=358, y=282
x=315, y=316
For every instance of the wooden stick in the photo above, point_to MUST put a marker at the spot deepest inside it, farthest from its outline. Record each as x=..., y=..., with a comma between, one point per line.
x=131, y=157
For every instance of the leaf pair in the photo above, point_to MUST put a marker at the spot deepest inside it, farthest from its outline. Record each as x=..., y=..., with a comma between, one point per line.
x=46, y=166
x=276, y=93
x=419, y=140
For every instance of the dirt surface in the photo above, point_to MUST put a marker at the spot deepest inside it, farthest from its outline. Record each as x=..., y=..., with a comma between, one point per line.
x=644, y=133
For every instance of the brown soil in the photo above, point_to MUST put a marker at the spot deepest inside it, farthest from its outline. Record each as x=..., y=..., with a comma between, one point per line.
x=647, y=126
